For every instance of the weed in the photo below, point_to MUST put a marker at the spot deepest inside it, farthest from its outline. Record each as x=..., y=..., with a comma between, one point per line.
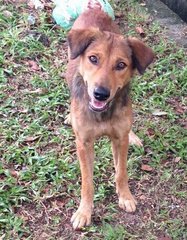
x=39, y=171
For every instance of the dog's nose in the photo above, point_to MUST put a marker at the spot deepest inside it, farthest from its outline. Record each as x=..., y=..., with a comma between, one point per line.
x=101, y=93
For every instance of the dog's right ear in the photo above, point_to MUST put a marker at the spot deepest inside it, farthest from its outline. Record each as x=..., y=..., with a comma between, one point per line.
x=142, y=55
x=80, y=39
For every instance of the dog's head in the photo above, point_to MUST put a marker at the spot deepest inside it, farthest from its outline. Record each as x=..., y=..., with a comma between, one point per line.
x=107, y=62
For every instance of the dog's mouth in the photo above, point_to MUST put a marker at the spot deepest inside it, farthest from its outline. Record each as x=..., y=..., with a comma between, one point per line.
x=98, y=106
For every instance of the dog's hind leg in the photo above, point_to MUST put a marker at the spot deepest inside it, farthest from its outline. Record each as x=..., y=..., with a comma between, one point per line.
x=134, y=139
x=120, y=148
x=67, y=120
x=85, y=152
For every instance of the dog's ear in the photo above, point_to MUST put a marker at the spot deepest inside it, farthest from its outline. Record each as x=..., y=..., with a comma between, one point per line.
x=142, y=55
x=80, y=39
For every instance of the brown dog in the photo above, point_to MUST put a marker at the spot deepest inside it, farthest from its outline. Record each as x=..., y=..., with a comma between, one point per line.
x=101, y=65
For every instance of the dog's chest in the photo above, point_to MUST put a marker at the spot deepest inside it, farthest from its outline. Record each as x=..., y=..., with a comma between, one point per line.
x=112, y=128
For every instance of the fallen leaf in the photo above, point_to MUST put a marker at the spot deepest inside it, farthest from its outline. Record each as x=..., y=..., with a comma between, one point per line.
x=23, y=110
x=36, y=91
x=60, y=203
x=177, y=159
x=140, y=31
x=33, y=65
x=63, y=75
x=19, y=1
x=143, y=197
x=119, y=14
x=35, y=4
x=23, y=217
x=143, y=4
x=179, y=109
x=31, y=139
x=72, y=150
x=150, y=132
x=7, y=14
x=172, y=76
x=30, y=4
x=146, y=167
x=165, y=237
x=14, y=173
x=158, y=112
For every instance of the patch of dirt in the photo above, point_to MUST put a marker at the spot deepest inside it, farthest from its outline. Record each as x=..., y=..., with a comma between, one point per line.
x=51, y=217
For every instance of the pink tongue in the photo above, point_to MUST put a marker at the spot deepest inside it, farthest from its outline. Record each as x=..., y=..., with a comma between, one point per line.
x=98, y=104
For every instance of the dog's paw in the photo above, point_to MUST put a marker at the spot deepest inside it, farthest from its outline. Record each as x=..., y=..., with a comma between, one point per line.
x=127, y=204
x=134, y=139
x=81, y=218
x=67, y=120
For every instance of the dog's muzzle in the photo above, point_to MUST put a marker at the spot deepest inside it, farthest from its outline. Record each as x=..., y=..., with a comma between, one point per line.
x=102, y=105
x=98, y=102
x=98, y=106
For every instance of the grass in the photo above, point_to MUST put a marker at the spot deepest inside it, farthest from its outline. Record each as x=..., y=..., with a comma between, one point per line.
x=39, y=171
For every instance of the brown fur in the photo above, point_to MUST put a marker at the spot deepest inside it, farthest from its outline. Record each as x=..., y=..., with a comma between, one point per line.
x=95, y=34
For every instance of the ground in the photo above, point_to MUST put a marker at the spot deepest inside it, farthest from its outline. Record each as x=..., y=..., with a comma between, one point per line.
x=39, y=171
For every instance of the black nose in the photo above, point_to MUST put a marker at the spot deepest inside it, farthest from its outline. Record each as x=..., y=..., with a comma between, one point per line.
x=101, y=93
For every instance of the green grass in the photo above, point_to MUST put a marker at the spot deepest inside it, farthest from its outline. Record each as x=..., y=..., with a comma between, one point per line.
x=39, y=171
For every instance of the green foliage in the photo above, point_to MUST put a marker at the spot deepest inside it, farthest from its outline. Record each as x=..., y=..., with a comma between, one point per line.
x=39, y=172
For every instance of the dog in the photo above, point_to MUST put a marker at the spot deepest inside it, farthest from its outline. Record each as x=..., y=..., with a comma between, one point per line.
x=101, y=65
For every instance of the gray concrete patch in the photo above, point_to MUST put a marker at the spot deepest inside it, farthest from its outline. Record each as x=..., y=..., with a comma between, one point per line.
x=178, y=6
x=176, y=27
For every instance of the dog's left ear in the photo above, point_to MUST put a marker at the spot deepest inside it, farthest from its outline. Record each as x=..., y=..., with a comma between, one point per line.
x=80, y=39
x=142, y=55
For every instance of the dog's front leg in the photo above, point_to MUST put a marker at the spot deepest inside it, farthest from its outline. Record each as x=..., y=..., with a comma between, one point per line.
x=85, y=152
x=120, y=150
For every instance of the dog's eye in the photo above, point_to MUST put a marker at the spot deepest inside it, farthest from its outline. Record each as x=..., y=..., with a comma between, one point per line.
x=93, y=59
x=120, y=66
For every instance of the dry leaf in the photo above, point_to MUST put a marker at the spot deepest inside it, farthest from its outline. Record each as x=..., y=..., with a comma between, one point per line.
x=158, y=112
x=31, y=139
x=140, y=31
x=146, y=167
x=119, y=14
x=35, y=4
x=14, y=173
x=143, y=197
x=33, y=65
x=177, y=159
x=36, y=91
x=7, y=14
x=150, y=132
x=179, y=109
x=23, y=110
x=59, y=203
x=172, y=76
x=30, y=4
x=165, y=237
x=19, y=1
